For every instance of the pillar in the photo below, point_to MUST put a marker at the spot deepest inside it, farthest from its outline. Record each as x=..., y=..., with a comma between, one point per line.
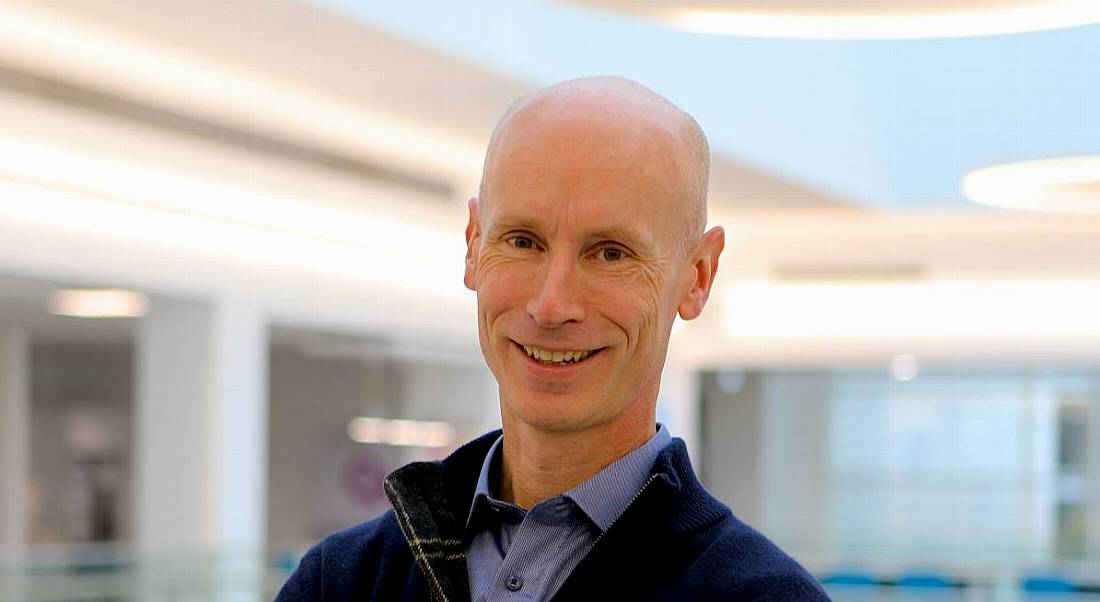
x=15, y=367
x=201, y=443
x=678, y=405
x=14, y=443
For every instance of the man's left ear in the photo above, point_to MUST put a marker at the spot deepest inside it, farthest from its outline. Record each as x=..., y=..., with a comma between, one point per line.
x=704, y=265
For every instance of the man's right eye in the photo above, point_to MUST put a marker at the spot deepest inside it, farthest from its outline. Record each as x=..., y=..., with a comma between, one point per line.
x=522, y=242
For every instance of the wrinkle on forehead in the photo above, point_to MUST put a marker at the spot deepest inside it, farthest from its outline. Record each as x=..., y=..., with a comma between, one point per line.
x=631, y=177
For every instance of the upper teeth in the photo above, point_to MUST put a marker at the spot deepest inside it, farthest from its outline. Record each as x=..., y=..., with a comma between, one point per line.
x=546, y=355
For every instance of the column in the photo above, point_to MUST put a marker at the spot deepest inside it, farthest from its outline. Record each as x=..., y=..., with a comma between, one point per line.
x=15, y=367
x=1092, y=476
x=732, y=424
x=201, y=459
x=14, y=443
x=678, y=406
x=796, y=473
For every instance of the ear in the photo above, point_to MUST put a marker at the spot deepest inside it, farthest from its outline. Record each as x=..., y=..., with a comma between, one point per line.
x=473, y=242
x=704, y=265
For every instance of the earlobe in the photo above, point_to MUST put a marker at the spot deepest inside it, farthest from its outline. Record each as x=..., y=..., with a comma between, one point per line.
x=473, y=241
x=704, y=266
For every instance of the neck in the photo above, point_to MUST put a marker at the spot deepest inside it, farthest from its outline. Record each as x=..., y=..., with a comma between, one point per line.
x=539, y=464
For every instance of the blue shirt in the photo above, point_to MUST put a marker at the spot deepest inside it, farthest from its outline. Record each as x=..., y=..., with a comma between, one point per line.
x=515, y=554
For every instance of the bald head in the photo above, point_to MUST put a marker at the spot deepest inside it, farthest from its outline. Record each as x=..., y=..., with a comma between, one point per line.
x=623, y=119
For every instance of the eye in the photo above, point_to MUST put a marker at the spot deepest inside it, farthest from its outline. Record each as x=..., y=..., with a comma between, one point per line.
x=521, y=242
x=611, y=254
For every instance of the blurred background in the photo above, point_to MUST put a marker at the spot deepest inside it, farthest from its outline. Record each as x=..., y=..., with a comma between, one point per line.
x=231, y=301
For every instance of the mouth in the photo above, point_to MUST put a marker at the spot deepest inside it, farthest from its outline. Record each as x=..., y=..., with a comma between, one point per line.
x=561, y=357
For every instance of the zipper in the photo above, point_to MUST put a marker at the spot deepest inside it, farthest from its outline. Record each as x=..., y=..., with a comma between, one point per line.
x=639, y=493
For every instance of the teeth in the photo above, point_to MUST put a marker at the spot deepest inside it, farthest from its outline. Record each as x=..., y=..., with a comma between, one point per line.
x=557, y=357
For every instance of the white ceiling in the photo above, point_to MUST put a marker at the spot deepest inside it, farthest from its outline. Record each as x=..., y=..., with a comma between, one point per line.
x=340, y=62
x=336, y=68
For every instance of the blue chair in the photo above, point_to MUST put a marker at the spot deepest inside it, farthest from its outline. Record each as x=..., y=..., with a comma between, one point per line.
x=1050, y=584
x=928, y=580
x=853, y=578
x=851, y=585
x=928, y=586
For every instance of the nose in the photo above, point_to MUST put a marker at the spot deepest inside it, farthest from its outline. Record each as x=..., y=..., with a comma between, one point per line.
x=558, y=297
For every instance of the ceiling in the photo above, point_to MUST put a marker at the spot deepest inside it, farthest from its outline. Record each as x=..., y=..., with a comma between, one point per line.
x=378, y=113
x=891, y=124
x=343, y=63
x=857, y=19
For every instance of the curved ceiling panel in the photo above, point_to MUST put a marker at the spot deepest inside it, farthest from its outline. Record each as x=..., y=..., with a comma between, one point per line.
x=1061, y=185
x=859, y=19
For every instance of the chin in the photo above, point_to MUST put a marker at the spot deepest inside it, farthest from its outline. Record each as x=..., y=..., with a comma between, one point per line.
x=554, y=413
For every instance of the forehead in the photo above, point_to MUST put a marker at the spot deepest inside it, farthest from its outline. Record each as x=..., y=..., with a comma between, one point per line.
x=590, y=173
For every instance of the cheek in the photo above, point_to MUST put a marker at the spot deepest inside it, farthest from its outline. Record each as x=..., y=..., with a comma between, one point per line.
x=636, y=298
x=500, y=282
x=489, y=263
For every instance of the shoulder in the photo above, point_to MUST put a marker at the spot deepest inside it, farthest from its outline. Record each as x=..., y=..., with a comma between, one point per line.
x=728, y=556
x=739, y=558
x=362, y=539
x=355, y=563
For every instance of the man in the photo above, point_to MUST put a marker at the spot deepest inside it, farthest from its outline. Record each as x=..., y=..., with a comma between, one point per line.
x=585, y=242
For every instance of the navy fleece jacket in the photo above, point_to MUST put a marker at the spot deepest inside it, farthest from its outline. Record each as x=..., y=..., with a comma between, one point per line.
x=675, y=542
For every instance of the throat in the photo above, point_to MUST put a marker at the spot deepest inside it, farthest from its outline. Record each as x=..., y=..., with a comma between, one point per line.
x=537, y=465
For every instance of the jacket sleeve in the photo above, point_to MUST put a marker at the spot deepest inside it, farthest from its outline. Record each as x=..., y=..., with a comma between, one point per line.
x=306, y=584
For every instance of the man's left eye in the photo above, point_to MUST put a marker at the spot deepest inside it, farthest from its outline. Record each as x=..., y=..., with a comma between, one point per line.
x=611, y=254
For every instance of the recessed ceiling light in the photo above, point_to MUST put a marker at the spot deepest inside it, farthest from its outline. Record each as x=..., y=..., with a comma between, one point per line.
x=1060, y=185
x=859, y=19
x=98, y=303
x=401, y=432
x=904, y=367
x=991, y=310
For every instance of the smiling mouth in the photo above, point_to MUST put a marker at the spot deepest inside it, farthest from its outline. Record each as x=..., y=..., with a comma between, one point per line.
x=558, y=358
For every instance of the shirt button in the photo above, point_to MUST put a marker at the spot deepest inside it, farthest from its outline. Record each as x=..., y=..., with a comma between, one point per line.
x=514, y=583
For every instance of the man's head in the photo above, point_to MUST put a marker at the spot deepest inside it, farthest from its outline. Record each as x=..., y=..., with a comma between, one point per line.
x=587, y=240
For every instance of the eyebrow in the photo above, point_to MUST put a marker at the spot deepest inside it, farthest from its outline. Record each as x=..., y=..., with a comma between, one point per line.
x=626, y=237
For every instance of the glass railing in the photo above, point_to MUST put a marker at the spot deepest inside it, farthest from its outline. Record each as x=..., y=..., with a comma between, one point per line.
x=115, y=574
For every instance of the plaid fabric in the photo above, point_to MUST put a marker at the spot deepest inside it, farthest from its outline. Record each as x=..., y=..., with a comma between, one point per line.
x=430, y=528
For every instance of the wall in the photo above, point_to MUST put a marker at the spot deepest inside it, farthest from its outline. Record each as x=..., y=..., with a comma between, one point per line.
x=81, y=413
x=956, y=467
x=320, y=480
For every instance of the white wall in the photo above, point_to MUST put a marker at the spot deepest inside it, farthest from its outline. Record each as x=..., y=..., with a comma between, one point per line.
x=81, y=410
x=320, y=480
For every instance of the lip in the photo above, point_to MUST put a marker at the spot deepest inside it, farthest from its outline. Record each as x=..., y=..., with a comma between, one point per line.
x=542, y=370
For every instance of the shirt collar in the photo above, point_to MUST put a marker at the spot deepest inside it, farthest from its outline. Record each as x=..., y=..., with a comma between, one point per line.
x=482, y=491
x=603, y=496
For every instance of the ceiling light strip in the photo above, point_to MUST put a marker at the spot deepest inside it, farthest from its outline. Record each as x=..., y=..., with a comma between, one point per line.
x=98, y=303
x=884, y=24
x=43, y=42
x=89, y=99
x=1060, y=185
x=931, y=310
x=379, y=258
x=122, y=181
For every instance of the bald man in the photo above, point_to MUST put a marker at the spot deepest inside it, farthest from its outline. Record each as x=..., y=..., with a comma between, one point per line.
x=585, y=241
